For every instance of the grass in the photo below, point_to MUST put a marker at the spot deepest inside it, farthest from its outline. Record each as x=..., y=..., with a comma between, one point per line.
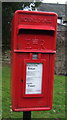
x=58, y=110
x=0, y=90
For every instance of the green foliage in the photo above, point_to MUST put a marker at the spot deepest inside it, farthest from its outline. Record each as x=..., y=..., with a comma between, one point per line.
x=58, y=110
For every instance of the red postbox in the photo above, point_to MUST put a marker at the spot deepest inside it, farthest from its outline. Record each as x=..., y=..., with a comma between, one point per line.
x=33, y=53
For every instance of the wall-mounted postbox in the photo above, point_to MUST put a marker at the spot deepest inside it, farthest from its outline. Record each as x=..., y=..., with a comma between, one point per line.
x=33, y=53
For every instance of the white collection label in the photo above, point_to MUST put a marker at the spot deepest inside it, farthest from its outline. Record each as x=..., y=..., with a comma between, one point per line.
x=33, y=78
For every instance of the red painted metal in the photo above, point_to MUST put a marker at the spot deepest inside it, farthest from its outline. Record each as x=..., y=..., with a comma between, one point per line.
x=33, y=33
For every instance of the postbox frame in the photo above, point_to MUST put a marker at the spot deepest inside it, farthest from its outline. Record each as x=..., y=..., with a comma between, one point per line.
x=43, y=66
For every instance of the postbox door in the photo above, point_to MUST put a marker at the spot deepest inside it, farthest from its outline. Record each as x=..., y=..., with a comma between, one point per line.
x=33, y=94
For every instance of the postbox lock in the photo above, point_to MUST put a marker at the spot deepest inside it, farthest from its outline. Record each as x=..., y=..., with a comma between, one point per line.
x=35, y=56
x=21, y=80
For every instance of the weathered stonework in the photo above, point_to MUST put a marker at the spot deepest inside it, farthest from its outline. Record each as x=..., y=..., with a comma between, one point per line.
x=60, y=54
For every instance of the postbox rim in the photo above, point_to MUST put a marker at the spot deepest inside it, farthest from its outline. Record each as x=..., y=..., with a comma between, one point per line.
x=36, y=12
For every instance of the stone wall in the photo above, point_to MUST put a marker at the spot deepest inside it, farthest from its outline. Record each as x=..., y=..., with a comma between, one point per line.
x=60, y=54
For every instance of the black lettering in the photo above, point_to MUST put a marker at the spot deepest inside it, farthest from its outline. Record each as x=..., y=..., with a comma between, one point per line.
x=31, y=68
